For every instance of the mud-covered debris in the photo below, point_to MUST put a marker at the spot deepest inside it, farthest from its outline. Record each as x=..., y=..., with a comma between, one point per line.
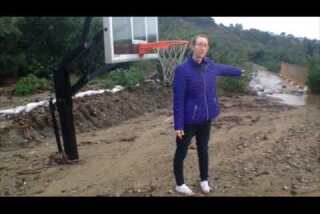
x=60, y=158
x=128, y=139
x=262, y=173
x=87, y=142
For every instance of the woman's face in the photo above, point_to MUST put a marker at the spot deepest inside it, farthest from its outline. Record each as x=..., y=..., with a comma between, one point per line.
x=200, y=48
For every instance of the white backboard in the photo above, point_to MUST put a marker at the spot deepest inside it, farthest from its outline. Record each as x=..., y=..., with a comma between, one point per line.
x=123, y=34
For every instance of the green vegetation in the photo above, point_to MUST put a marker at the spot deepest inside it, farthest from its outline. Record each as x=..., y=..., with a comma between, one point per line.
x=11, y=55
x=231, y=84
x=234, y=84
x=29, y=84
x=127, y=78
x=314, y=76
x=35, y=45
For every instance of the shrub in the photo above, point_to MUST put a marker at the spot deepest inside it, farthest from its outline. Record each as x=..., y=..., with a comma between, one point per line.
x=314, y=77
x=29, y=84
x=235, y=84
x=232, y=84
x=126, y=78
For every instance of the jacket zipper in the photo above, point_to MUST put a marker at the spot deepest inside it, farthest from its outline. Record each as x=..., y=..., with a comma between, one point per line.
x=205, y=95
x=194, y=112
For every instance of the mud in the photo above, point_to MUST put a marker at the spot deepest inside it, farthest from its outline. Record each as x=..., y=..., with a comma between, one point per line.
x=126, y=143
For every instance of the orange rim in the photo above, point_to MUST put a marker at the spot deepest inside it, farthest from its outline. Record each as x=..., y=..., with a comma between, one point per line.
x=144, y=48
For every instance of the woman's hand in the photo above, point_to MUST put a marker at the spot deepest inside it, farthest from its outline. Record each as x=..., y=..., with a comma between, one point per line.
x=179, y=134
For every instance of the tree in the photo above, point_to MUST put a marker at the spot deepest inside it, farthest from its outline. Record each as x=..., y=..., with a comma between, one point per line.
x=11, y=55
x=239, y=27
x=283, y=34
x=314, y=76
x=46, y=40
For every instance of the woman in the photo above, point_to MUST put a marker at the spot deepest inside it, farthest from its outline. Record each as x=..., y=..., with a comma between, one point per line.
x=195, y=105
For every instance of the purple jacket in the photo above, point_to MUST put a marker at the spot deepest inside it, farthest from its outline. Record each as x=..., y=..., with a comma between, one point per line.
x=194, y=87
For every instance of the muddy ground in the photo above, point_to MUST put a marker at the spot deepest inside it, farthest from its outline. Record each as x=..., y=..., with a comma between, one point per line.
x=126, y=144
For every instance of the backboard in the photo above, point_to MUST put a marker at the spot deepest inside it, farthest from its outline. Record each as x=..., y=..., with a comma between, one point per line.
x=123, y=34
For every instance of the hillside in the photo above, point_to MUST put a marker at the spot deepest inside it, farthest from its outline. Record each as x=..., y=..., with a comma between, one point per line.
x=235, y=46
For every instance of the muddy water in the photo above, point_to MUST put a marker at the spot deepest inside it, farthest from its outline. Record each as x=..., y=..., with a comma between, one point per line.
x=267, y=80
x=297, y=100
x=290, y=99
x=271, y=85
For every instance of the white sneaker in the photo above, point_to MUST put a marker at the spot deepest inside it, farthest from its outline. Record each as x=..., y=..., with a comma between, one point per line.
x=184, y=189
x=205, y=187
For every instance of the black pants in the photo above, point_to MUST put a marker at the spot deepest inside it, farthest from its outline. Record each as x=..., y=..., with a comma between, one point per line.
x=202, y=133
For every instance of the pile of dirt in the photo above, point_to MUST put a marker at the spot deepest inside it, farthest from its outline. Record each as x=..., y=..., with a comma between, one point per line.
x=90, y=113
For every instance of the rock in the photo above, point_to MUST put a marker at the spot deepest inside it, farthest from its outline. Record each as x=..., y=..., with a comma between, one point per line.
x=268, y=91
x=259, y=87
x=285, y=187
x=294, y=186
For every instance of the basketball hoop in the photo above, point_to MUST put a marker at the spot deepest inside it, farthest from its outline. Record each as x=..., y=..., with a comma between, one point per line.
x=170, y=52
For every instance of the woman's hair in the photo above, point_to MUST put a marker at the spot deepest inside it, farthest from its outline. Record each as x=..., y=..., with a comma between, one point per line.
x=194, y=39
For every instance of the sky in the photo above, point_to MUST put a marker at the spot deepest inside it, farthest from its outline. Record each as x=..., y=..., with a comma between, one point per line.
x=308, y=27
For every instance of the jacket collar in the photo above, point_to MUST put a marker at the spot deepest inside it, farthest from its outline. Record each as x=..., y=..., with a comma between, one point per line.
x=205, y=61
